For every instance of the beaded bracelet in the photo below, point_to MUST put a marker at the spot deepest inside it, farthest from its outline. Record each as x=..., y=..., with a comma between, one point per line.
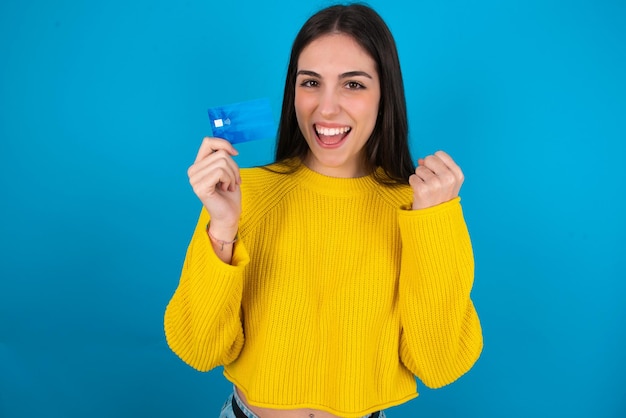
x=219, y=241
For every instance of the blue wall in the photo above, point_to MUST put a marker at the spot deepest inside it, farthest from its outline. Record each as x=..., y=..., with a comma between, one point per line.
x=102, y=108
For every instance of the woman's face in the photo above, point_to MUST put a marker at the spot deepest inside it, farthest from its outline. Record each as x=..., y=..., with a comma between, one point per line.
x=336, y=102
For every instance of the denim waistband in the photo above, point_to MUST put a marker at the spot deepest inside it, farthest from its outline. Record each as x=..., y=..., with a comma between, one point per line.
x=241, y=410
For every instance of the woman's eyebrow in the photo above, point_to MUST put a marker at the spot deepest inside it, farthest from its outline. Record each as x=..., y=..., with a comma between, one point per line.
x=350, y=74
x=341, y=76
x=308, y=73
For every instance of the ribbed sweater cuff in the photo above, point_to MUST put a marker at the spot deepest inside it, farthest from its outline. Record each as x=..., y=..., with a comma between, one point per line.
x=436, y=244
x=239, y=261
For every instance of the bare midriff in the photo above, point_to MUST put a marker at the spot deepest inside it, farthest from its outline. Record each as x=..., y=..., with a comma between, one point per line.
x=285, y=413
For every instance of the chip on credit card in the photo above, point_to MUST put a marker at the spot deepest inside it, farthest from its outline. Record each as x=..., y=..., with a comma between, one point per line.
x=251, y=120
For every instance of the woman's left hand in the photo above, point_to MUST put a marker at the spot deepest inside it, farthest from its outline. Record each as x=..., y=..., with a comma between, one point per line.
x=437, y=179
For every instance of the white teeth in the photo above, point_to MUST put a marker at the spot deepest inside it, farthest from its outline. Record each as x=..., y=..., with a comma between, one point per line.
x=331, y=131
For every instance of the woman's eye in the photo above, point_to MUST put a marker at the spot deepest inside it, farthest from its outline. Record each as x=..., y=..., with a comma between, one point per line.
x=309, y=83
x=353, y=85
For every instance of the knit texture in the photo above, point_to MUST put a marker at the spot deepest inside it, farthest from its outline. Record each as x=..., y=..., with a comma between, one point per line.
x=337, y=296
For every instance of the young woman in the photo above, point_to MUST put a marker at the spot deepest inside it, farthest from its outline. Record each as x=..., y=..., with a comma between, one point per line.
x=326, y=282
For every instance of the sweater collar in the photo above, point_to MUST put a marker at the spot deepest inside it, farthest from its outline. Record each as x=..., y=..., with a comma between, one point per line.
x=334, y=186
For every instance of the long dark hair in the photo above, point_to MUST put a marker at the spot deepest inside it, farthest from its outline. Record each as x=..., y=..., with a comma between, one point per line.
x=387, y=148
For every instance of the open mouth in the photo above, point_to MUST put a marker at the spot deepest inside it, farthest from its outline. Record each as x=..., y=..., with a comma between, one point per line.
x=331, y=136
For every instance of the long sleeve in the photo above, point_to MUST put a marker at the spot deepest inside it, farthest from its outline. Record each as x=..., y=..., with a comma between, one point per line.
x=441, y=334
x=202, y=320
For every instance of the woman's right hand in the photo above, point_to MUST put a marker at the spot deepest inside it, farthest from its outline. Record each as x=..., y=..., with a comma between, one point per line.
x=215, y=179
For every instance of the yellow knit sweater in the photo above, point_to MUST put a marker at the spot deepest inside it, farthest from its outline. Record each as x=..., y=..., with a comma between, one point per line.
x=337, y=296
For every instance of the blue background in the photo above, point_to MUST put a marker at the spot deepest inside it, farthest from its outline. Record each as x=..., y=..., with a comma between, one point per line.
x=103, y=106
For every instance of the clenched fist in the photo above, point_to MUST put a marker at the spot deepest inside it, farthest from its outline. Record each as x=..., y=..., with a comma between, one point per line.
x=437, y=179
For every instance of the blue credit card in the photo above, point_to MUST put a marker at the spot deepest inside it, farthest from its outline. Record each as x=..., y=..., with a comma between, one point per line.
x=242, y=122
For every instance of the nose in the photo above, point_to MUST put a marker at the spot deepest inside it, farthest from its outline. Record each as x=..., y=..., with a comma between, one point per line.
x=329, y=103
